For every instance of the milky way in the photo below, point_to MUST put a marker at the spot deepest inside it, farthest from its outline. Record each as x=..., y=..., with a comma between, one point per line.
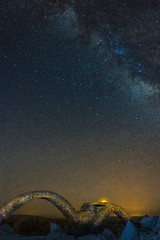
x=80, y=102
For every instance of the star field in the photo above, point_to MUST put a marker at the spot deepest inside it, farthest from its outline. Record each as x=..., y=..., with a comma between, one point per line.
x=80, y=102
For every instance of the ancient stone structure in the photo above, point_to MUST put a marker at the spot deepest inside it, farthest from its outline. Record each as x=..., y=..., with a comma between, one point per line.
x=89, y=213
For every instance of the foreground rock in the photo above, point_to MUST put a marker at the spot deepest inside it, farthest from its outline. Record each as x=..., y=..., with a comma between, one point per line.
x=56, y=233
x=88, y=237
x=55, y=229
x=59, y=237
x=150, y=231
x=6, y=228
x=130, y=232
x=105, y=235
x=149, y=223
x=157, y=228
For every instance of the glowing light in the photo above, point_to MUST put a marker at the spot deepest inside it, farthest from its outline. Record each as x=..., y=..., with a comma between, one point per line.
x=104, y=200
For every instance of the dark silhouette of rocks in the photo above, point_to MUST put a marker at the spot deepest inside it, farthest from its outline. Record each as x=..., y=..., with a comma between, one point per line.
x=41, y=228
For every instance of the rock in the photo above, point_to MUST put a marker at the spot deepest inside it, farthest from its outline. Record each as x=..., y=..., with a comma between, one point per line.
x=157, y=238
x=143, y=235
x=56, y=233
x=147, y=237
x=22, y=237
x=60, y=237
x=149, y=223
x=150, y=237
x=157, y=227
x=89, y=237
x=130, y=232
x=66, y=237
x=55, y=229
x=6, y=228
x=107, y=235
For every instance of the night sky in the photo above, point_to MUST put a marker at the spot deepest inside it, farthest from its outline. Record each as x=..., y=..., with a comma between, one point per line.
x=80, y=102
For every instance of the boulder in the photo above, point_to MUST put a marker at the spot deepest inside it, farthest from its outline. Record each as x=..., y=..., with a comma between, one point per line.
x=56, y=233
x=23, y=237
x=55, y=229
x=149, y=223
x=157, y=227
x=157, y=238
x=89, y=237
x=130, y=232
x=150, y=237
x=144, y=236
x=107, y=235
x=6, y=228
x=64, y=237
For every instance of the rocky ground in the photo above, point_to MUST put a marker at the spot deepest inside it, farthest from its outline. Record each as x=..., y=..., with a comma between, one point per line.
x=39, y=228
